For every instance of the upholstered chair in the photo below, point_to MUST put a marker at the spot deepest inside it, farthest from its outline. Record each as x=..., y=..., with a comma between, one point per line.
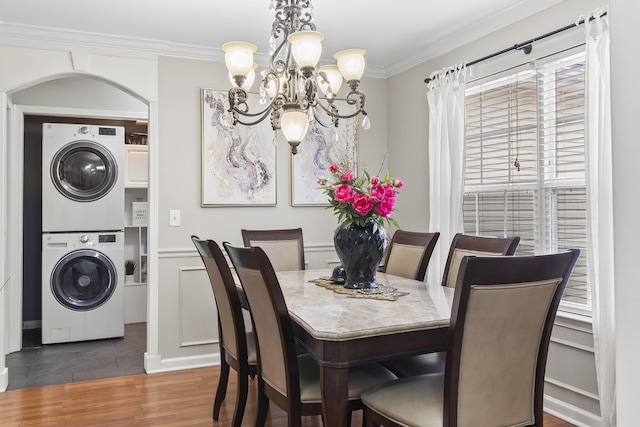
x=409, y=253
x=289, y=380
x=237, y=346
x=461, y=245
x=285, y=248
x=466, y=244
x=498, y=339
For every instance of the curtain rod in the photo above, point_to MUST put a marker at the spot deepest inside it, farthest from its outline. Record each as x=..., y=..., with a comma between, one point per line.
x=524, y=46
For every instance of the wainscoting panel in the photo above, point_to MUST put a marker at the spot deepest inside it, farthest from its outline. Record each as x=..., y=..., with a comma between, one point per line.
x=571, y=390
x=198, y=315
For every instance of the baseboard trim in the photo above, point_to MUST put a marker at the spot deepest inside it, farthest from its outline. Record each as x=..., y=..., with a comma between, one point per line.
x=155, y=364
x=4, y=380
x=569, y=413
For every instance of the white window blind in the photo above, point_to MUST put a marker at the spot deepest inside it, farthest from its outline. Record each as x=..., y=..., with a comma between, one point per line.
x=525, y=164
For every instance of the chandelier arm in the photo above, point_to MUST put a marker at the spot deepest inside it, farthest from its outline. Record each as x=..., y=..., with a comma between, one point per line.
x=352, y=98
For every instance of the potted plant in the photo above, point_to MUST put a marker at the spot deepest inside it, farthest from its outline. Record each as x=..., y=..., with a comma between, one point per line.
x=129, y=269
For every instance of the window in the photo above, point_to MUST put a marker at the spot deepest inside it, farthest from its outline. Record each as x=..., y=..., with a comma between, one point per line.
x=525, y=164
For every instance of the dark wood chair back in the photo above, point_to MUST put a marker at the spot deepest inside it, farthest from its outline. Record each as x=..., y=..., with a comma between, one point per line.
x=278, y=362
x=285, y=248
x=501, y=321
x=237, y=347
x=290, y=380
x=409, y=254
x=465, y=244
x=497, y=344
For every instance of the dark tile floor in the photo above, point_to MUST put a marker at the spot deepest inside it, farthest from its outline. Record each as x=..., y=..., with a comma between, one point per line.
x=37, y=364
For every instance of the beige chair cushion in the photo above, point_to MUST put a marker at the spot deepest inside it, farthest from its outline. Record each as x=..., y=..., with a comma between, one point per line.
x=266, y=324
x=515, y=315
x=360, y=378
x=412, y=401
x=456, y=259
x=404, y=260
x=283, y=254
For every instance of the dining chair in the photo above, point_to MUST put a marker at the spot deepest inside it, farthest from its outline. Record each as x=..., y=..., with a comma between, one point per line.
x=461, y=245
x=290, y=380
x=466, y=244
x=409, y=254
x=237, y=346
x=497, y=344
x=285, y=248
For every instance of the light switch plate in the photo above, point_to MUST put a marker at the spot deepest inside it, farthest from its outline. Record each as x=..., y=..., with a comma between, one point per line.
x=174, y=218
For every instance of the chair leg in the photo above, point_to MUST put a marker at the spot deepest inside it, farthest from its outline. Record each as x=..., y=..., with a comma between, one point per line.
x=241, y=400
x=263, y=405
x=221, y=392
x=366, y=419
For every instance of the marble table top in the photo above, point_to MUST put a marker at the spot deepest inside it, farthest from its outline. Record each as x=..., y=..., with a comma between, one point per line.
x=327, y=315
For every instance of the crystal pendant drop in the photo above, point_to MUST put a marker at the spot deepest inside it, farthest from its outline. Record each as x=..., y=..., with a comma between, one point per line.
x=366, y=123
x=310, y=114
x=272, y=45
x=263, y=95
x=301, y=86
x=336, y=136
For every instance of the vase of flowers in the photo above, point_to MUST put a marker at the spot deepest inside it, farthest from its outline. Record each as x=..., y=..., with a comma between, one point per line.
x=363, y=205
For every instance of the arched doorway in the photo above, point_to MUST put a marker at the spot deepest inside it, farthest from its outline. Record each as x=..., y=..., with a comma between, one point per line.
x=12, y=131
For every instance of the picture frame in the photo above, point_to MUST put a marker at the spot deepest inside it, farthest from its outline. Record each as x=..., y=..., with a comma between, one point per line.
x=317, y=151
x=239, y=163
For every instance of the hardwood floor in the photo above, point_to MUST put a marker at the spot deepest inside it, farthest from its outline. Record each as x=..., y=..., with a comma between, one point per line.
x=181, y=398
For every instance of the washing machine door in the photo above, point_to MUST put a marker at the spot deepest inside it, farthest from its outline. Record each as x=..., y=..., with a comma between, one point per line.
x=84, y=171
x=83, y=279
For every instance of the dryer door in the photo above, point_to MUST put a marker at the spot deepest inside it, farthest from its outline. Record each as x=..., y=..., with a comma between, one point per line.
x=84, y=171
x=83, y=279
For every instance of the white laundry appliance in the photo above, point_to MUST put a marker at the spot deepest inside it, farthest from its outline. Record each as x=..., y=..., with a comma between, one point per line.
x=82, y=177
x=82, y=286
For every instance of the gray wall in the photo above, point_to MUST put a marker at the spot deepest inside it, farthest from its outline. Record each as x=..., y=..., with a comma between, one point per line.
x=625, y=63
x=180, y=82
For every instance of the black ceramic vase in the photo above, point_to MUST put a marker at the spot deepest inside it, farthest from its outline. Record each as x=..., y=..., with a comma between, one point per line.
x=360, y=250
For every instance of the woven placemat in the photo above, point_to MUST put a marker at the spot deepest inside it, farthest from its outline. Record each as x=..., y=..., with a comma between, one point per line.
x=382, y=292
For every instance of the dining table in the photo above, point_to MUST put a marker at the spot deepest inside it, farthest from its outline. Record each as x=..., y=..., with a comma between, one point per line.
x=341, y=330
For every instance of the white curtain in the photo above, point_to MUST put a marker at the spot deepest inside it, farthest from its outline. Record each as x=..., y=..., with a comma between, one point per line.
x=446, y=101
x=600, y=199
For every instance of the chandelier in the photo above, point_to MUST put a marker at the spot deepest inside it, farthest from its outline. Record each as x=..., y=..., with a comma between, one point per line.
x=294, y=90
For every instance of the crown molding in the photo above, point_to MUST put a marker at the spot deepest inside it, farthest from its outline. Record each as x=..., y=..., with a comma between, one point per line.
x=33, y=37
x=460, y=37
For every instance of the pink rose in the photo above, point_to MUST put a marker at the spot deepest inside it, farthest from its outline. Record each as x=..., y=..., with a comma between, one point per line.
x=385, y=207
x=362, y=204
x=398, y=183
x=378, y=192
x=375, y=180
x=346, y=176
x=344, y=193
x=390, y=192
x=333, y=167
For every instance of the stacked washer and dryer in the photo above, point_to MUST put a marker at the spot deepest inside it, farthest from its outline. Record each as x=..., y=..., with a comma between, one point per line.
x=82, y=232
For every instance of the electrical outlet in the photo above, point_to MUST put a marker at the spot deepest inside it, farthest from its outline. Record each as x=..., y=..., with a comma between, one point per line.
x=174, y=218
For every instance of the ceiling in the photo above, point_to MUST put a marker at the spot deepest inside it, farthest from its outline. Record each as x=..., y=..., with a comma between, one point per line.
x=396, y=35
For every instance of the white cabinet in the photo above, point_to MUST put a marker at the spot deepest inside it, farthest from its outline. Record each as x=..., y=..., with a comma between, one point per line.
x=135, y=235
x=136, y=166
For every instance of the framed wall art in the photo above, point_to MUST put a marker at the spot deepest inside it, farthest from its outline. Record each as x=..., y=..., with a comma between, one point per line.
x=316, y=152
x=238, y=162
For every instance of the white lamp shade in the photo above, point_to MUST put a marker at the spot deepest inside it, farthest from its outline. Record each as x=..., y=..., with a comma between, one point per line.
x=294, y=124
x=251, y=77
x=270, y=85
x=333, y=75
x=238, y=56
x=306, y=47
x=351, y=63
